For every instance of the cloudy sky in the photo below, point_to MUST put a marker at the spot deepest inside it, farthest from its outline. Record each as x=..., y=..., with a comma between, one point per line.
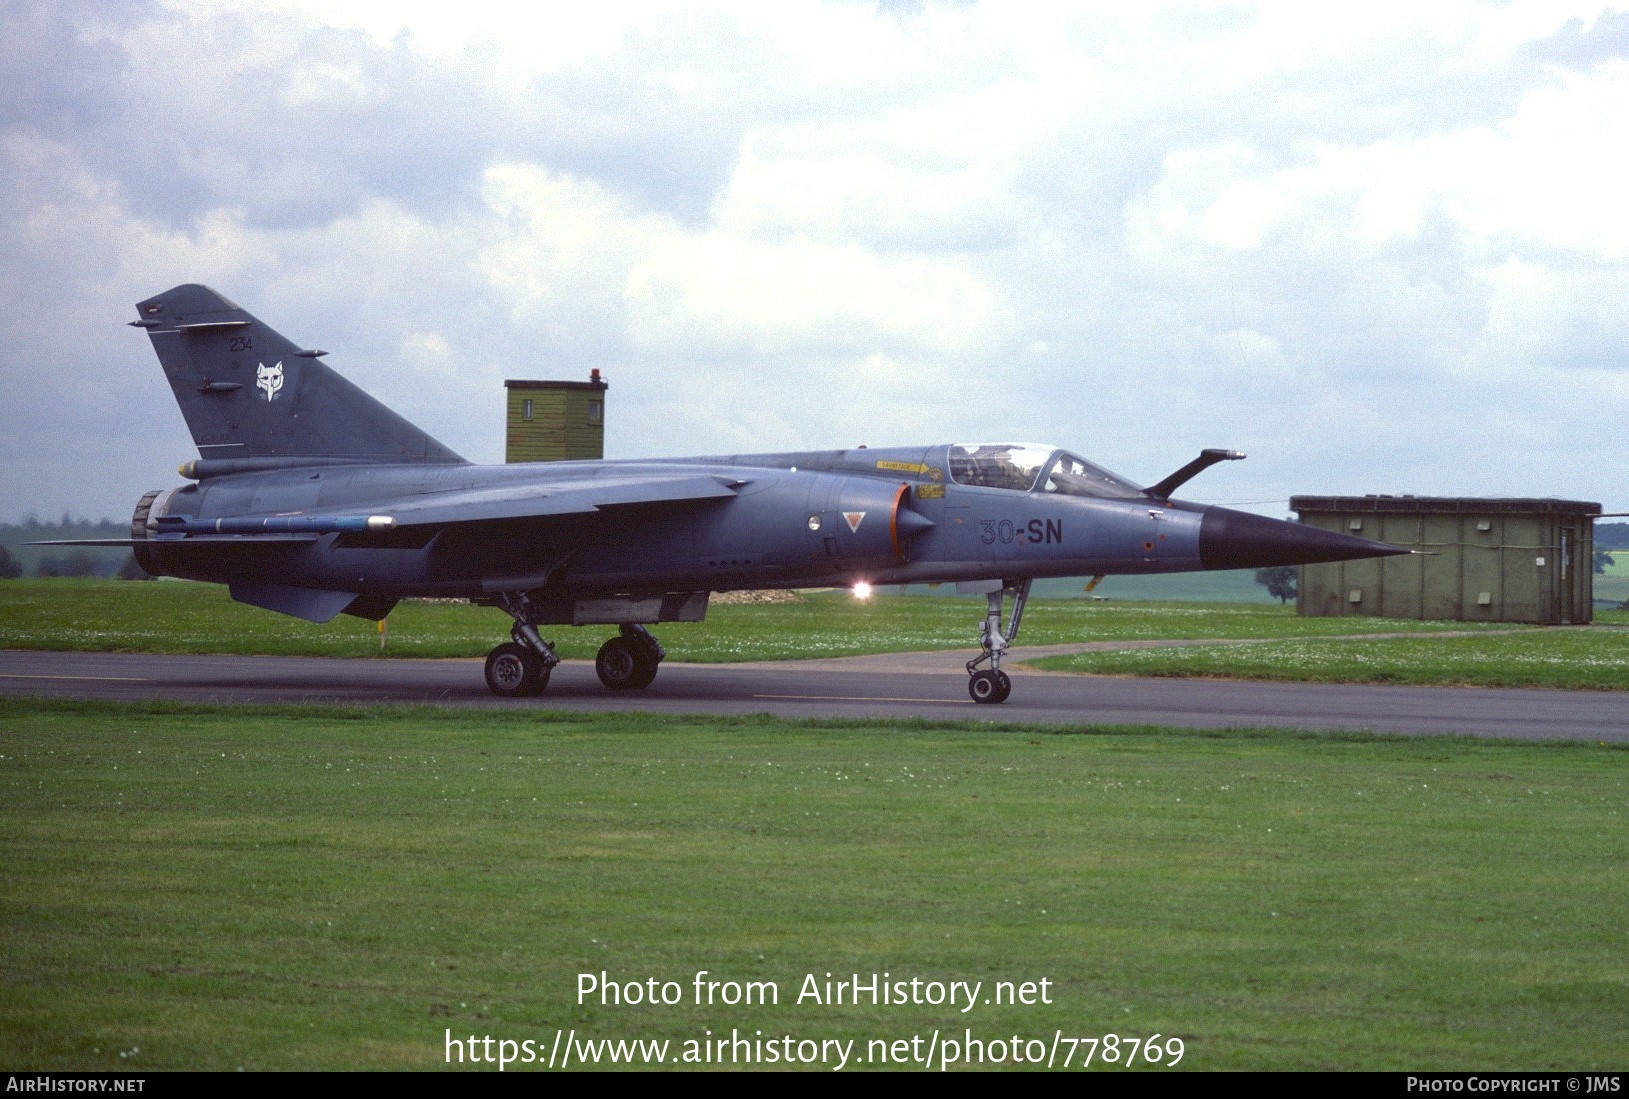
x=1382, y=247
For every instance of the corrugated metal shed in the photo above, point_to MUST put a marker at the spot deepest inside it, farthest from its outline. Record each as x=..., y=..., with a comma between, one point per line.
x=1490, y=560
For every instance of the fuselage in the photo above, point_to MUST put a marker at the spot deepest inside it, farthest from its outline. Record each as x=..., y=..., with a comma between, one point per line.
x=796, y=519
x=311, y=498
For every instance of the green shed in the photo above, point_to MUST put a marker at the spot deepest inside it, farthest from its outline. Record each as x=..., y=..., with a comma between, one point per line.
x=555, y=421
x=1483, y=560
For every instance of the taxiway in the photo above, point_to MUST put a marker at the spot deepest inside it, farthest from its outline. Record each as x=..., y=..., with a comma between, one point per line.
x=930, y=686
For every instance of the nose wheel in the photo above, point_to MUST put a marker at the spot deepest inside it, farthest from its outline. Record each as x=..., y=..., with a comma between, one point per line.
x=991, y=685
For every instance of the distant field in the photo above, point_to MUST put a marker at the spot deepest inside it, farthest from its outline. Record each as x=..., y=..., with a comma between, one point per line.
x=182, y=617
x=106, y=562
x=326, y=888
x=1227, y=586
x=1613, y=585
x=178, y=616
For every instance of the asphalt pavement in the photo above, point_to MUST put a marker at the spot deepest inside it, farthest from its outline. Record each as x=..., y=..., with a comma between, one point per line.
x=926, y=685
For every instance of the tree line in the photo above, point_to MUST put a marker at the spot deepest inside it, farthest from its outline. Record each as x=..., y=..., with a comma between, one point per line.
x=17, y=559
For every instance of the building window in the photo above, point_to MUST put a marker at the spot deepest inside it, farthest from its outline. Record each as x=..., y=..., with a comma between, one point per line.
x=526, y=409
x=596, y=411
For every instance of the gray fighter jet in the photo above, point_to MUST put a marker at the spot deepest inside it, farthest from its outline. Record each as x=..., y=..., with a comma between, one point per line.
x=311, y=498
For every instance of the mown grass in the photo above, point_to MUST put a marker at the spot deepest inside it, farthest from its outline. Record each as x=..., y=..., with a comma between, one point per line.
x=181, y=617
x=201, y=888
x=184, y=617
x=1614, y=583
x=1593, y=658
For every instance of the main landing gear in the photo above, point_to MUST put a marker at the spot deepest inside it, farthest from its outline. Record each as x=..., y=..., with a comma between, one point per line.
x=992, y=684
x=628, y=662
x=521, y=666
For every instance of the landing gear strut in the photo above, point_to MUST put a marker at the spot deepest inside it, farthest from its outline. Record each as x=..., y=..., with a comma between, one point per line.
x=628, y=662
x=992, y=684
x=520, y=667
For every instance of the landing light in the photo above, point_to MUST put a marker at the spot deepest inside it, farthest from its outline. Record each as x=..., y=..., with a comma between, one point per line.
x=862, y=590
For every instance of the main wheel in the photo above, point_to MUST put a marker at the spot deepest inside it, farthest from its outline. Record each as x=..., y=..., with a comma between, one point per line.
x=989, y=686
x=514, y=671
x=624, y=665
x=647, y=674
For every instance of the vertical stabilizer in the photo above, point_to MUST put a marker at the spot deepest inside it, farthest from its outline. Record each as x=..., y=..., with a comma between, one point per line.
x=247, y=392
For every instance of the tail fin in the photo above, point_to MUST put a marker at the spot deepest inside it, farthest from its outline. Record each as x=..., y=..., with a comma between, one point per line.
x=248, y=393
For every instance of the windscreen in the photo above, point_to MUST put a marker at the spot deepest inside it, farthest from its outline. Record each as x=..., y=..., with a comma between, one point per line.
x=1075, y=476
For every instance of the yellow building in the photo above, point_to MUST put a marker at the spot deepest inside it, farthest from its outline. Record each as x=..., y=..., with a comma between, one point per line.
x=555, y=421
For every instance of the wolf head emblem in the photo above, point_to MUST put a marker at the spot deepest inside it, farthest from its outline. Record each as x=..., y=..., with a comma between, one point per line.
x=269, y=379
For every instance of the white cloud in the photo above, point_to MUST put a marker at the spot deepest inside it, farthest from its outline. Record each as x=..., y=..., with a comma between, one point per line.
x=562, y=246
x=1324, y=234
x=717, y=291
x=1551, y=177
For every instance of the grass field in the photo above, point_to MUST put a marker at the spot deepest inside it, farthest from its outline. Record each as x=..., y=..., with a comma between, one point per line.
x=201, y=618
x=1613, y=585
x=1224, y=586
x=1595, y=659
x=106, y=615
x=193, y=888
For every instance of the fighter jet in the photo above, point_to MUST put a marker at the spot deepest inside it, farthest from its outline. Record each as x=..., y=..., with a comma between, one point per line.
x=311, y=498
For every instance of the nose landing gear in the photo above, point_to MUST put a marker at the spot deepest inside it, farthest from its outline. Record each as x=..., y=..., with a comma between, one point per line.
x=990, y=685
x=993, y=685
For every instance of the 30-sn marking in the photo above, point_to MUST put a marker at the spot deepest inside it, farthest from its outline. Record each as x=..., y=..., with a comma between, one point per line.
x=1035, y=532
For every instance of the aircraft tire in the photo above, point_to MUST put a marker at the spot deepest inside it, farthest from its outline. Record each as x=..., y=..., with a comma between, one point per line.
x=989, y=686
x=513, y=671
x=623, y=665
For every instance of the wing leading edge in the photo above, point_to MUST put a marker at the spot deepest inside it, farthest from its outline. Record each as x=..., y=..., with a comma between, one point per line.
x=489, y=504
x=497, y=502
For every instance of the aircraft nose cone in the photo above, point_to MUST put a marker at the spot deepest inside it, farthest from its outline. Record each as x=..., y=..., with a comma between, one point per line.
x=1239, y=540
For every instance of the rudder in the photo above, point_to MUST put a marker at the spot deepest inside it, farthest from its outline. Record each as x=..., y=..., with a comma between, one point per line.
x=247, y=392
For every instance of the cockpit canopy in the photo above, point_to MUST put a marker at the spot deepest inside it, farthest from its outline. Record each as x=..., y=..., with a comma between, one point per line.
x=1028, y=467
